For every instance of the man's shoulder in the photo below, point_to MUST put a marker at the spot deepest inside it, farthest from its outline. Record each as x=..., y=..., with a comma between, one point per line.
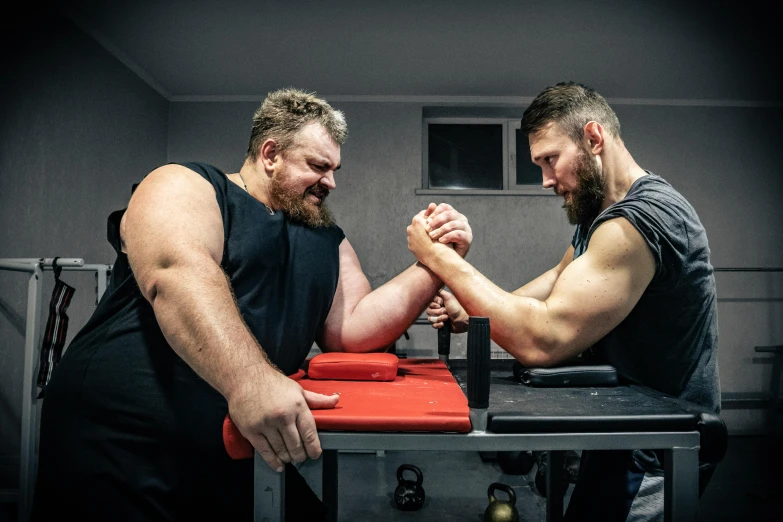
x=200, y=167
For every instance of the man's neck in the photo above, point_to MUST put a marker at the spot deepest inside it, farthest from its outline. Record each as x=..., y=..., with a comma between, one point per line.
x=621, y=172
x=257, y=183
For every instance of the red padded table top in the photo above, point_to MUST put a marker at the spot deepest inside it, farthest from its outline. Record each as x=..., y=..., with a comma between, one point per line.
x=423, y=397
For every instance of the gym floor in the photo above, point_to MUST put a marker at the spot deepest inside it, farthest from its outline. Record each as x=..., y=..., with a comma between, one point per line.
x=747, y=485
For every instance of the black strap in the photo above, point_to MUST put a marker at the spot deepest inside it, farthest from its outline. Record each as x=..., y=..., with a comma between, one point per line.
x=56, y=329
x=57, y=269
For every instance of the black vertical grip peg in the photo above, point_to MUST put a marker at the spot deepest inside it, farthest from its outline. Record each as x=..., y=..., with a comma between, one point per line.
x=444, y=339
x=478, y=362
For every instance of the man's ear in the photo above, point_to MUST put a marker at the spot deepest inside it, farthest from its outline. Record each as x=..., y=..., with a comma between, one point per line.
x=269, y=154
x=594, y=137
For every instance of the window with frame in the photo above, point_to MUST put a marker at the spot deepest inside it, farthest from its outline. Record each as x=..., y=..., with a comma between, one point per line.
x=476, y=155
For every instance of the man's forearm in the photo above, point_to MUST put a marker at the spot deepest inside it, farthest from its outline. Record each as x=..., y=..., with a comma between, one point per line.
x=514, y=319
x=381, y=317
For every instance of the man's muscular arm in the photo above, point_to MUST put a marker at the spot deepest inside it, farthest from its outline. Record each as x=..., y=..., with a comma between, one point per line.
x=363, y=321
x=446, y=306
x=591, y=296
x=173, y=235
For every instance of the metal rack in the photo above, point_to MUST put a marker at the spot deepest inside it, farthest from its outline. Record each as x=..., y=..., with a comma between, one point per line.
x=36, y=267
x=770, y=399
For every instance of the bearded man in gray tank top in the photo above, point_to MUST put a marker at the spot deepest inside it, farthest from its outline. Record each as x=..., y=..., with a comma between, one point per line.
x=635, y=289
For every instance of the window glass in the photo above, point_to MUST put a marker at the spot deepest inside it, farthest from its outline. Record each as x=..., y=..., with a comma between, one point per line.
x=527, y=172
x=465, y=156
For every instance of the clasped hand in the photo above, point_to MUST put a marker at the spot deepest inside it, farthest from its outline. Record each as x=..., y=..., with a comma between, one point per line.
x=438, y=225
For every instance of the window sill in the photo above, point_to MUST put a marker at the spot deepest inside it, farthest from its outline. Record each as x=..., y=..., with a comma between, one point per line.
x=484, y=192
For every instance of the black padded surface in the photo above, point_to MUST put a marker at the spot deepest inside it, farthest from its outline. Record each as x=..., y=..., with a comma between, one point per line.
x=516, y=408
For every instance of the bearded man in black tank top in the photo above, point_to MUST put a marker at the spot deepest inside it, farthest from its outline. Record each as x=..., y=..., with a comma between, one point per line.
x=221, y=286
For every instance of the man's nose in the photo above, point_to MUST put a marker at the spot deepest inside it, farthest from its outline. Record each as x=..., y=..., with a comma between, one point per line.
x=549, y=181
x=328, y=180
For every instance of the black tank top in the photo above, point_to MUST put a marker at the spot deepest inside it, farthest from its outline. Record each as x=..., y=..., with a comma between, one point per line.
x=127, y=426
x=284, y=275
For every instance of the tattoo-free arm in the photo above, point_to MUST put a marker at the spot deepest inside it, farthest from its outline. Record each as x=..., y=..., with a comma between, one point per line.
x=173, y=235
x=591, y=296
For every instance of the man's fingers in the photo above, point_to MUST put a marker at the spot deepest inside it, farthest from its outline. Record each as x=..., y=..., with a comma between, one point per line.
x=309, y=435
x=457, y=236
x=293, y=442
x=441, y=219
x=278, y=445
x=265, y=450
x=317, y=401
x=429, y=210
x=446, y=296
x=436, y=302
x=440, y=209
x=448, y=217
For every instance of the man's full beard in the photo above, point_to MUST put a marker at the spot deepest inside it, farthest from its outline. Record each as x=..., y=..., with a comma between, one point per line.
x=588, y=196
x=296, y=207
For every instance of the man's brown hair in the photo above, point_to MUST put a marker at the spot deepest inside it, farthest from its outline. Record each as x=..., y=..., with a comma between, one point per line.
x=570, y=105
x=284, y=113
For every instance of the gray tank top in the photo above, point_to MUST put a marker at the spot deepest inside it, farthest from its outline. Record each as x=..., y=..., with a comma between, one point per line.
x=669, y=341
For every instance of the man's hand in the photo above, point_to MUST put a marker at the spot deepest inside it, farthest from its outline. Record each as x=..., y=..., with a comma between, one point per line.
x=419, y=240
x=273, y=413
x=445, y=306
x=446, y=225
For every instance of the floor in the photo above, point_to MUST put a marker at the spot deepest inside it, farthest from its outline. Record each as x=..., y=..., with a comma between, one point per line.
x=747, y=485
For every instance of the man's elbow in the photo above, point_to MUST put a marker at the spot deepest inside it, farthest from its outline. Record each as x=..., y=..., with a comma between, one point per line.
x=533, y=351
x=532, y=357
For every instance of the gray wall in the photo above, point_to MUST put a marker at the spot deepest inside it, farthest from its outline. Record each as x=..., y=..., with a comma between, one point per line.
x=77, y=130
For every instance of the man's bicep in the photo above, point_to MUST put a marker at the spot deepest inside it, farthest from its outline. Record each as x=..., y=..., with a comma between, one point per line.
x=172, y=220
x=596, y=291
x=352, y=287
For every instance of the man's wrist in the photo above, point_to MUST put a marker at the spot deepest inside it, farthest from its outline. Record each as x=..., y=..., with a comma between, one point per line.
x=248, y=377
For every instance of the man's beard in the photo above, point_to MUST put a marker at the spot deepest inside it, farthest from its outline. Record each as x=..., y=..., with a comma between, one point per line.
x=588, y=196
x=294, y=204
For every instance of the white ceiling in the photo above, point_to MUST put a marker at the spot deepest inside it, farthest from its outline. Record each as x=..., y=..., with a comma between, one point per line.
x=204, y=49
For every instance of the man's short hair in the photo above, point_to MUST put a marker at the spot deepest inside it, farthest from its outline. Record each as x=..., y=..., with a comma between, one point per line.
x=570, y=105
x=284, y=113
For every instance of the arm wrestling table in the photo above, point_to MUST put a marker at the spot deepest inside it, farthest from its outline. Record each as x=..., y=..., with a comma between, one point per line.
x=499, y=414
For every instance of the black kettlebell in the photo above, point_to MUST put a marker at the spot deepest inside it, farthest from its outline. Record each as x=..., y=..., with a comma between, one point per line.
x=501, y=510
x=409, y=495
x=516, y=462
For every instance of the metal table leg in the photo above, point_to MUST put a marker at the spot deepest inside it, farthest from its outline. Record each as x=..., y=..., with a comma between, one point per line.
x=330, y=483
x=268, y=492
x=554, y=486
x=681, y=484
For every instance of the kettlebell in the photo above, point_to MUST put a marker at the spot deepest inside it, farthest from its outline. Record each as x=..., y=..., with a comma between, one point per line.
x=409, y=495
x=516, y=462
x=500, y=510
